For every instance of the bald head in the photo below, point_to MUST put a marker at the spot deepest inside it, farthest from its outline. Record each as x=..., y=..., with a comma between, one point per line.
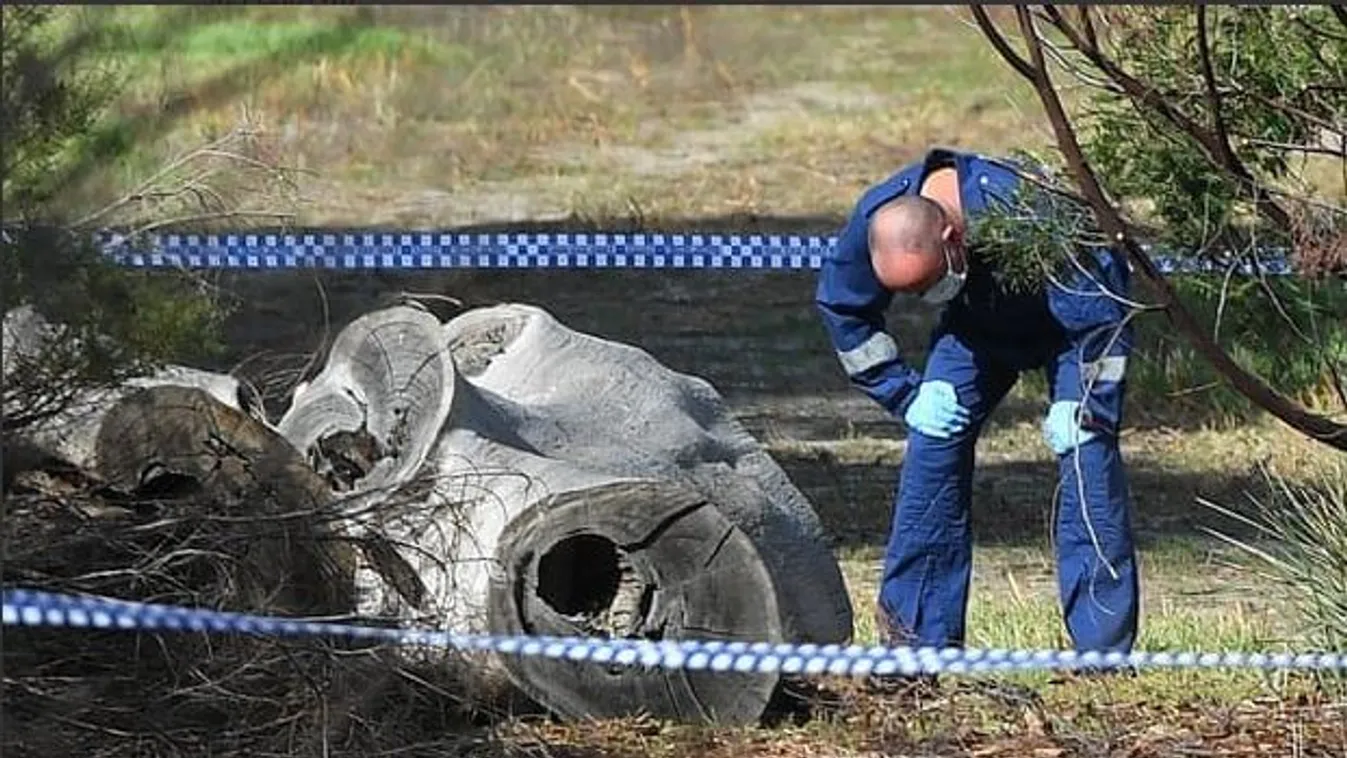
x=907, y=238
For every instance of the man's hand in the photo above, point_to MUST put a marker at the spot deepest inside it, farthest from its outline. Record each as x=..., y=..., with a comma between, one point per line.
x=936, y=411
x=1062, y=429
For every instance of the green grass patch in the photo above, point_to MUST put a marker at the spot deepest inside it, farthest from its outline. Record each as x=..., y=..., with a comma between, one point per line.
x=236, y=40
x=159, y=49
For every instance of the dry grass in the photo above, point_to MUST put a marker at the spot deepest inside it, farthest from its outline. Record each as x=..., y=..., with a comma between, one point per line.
x=428, y=117
x=974, y=721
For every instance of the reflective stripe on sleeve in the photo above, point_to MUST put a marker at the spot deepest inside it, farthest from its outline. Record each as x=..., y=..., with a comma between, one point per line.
x=875, y=351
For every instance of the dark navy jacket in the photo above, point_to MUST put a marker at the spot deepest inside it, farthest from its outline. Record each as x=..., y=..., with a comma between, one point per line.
x=1020, y=327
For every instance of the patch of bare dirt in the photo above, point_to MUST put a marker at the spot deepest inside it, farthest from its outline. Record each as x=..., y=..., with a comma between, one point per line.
x=565, y=172
x=730, y=138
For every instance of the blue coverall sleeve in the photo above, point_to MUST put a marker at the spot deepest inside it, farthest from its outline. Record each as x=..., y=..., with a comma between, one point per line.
x=851, y=302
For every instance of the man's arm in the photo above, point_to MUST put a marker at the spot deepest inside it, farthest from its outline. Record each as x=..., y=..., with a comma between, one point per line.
x=852, y=302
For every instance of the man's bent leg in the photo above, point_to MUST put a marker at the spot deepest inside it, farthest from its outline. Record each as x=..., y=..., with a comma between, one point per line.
x=1096, y=561
x=923, y=593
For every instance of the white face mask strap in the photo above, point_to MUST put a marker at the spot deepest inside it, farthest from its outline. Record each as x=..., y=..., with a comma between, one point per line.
x=949, y=262
x=949, y=284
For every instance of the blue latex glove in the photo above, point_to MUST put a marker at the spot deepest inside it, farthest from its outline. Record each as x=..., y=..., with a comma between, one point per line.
x=936, y=412
x=1062, y=429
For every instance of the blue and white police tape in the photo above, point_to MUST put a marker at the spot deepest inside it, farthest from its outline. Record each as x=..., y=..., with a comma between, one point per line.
x=44, y=609
x=430, y=250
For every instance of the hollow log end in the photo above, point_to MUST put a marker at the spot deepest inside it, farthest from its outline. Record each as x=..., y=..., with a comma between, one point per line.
x=202, y=458
x=634, y=560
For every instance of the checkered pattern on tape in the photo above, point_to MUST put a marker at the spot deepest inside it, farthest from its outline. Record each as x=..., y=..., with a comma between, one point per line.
x=426, y=250
x=41, y=609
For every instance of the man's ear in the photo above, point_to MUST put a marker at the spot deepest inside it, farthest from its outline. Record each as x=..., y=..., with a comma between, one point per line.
x=951, y=234
x=953, y=238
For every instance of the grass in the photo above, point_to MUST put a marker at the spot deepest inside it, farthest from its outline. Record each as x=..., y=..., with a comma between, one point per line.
x=418, y=117
x=440, y=116
x=1198, y=595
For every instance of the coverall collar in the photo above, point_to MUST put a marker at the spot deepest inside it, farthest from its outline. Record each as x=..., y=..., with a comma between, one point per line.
x=971, y=201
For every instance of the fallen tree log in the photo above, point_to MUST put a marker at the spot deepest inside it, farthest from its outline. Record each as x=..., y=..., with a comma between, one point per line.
x=177, y=447
x=540, y=480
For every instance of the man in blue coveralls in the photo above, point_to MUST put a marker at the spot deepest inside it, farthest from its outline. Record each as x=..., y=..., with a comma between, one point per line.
x=910, y=233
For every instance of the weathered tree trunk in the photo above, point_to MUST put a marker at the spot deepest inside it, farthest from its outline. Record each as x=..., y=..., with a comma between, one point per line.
x=540, y=480
x=181, y=437
x=183, y=444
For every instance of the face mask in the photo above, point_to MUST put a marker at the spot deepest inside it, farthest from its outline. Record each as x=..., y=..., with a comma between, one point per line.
x=949, y=285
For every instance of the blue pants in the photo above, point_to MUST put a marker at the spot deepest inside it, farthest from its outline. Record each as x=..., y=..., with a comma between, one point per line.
x=923, y=596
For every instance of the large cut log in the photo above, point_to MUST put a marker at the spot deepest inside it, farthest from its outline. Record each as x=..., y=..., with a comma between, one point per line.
x=645, y=560
x=610, y=407
x=540, y=480
x=183, y=442
x=182, y=437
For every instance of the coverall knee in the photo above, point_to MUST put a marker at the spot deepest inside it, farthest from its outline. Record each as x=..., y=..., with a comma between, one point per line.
x=1096, y=562
x=923, y=596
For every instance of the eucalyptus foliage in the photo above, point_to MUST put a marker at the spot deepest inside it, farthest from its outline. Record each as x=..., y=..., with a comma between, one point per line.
x=1278, y=92
x=1217, y=135
x=1037, y=235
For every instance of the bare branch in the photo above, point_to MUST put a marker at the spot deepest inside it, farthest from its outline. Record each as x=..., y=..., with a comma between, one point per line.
x=183, y=192
x=1221, y=301
x=1087, y=24
x=1271, y=292
x=231, y=155
x=1340, y=12
x=999, y=42
x=1077, y=72
x=1339, y=386
x=1209, y=80
x=1312, y=29
x=1294, y=111
x=199, y=217
x=145, y=186
x=1303, y=200
x=1295, y=148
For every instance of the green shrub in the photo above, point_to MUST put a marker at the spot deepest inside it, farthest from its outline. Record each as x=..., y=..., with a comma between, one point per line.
x=1168, y=377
